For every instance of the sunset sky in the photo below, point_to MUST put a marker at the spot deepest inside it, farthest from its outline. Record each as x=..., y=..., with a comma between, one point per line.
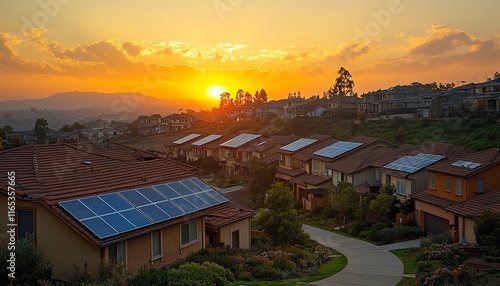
x=179, y=49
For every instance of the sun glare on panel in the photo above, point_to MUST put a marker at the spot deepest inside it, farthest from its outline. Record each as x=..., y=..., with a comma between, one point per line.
x=215, y=90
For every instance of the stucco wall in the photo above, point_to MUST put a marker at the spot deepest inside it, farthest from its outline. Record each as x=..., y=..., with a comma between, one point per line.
x=62, y=245
x=243, y=226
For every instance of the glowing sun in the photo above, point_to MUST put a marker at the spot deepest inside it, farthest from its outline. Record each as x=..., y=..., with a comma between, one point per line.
x=215, y=90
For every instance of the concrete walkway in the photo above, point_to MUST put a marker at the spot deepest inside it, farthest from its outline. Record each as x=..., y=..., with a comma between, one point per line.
x=367, y=263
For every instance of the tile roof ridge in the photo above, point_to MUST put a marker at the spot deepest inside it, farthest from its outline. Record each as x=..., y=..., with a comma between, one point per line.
x=35, y=167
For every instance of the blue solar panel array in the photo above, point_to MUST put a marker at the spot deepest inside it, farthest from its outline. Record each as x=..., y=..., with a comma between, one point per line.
x=298, y=144
x=336, y=149
x=411, y=164
x=466, y=164
x=115, y=213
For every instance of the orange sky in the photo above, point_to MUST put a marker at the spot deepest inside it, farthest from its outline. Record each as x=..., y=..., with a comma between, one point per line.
x=178, y=49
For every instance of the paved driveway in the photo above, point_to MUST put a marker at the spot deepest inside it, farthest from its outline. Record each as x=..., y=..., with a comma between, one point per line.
x=367, y=264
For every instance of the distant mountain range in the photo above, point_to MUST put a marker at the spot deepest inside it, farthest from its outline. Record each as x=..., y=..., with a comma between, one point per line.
x=108, y=103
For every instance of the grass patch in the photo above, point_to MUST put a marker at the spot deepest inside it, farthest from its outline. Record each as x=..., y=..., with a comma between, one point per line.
x=333, y=266
x=406, y=281
x=408, y=257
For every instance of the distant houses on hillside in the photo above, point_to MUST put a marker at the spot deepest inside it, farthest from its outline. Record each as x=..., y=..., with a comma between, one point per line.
x=427, y=178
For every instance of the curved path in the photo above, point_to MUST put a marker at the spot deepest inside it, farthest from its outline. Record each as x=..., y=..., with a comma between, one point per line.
x=367, y=264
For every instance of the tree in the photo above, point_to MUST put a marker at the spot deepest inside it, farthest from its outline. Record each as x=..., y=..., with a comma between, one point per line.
x=260, y=97
x=496, y=75
x=13, y=141
x=32, y=266
x=239, y=99
x=225, y=99
x=343, y=85
x=381, y=205
x=279, y=221
x=487, y=231
x=8, y=129
x=209, y=165
x=261, y=178
x=344, y=199
x=248, y=98
x=41, y=131
x=72, y=127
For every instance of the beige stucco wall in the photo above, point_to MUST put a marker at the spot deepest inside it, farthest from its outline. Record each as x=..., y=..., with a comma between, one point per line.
x=243, y=226
x=363, y=176
x=62, y=245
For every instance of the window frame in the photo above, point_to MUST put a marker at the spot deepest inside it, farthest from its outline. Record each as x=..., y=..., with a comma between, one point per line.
x=433, y=181
x=483, y=185
x=122, y=245
x=458, y=187
x=447, y=185
x=33, y=215
x=401, y=186
x=237, y=232
x=315, y=165
x=154, y=255
x=190, y=240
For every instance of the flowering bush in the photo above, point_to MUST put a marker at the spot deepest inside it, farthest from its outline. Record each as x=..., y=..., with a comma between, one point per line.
x=448, y=254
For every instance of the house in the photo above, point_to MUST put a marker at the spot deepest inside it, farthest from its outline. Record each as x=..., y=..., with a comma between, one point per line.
x=486, y=96
x=409, y=174
x=177, y=122
x=179, y=148
x=269, y=110
x=268, y=150
x=290, y=104
x=151, y=125
x=197, y=149
x=312, y=108
x=84, y=203
x=231, y=157
x=313, y=186
x=389, y=99
x=459, y=190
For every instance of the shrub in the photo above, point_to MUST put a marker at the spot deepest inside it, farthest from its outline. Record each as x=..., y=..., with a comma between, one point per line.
x=487, y=231
x=356, y=228
x=443, y=238
x=205, y=274
x=492, y=259
x=316, y=211
x=329, y=212
x=31, y=264
x=448, y=254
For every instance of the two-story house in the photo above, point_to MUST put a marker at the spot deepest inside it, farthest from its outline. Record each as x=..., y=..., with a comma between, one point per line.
x=198, y=149
x=231, y=156
x=87, y=203
x=179, y=148
x=459, y=190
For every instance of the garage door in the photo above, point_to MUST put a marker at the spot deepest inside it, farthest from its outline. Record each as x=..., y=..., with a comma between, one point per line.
x=435, y=224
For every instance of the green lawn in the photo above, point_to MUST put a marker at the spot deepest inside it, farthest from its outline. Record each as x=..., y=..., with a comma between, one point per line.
x=333, y=266
x=408, y=257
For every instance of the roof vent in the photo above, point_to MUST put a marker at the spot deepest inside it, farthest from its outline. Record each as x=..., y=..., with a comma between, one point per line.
x=88, y=163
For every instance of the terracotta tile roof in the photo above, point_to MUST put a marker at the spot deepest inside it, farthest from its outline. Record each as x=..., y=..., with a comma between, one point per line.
x=365, y=188
x=382, y=155
x=291, y=173
x=476, y=205
x=53, y=173
x=487, y=158
x=431, y=199
x=310, y=179
x=226, y=216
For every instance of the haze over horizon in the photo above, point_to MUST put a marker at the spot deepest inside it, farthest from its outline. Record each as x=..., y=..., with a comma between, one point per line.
x=174, y=50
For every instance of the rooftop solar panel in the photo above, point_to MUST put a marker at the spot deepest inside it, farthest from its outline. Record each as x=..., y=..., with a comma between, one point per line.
x=298, y=144
x=77, y=209
x=187, y=138
x=136, y=218
x=412, y=164
x=167, y=191
x=151, y=194
x=118, y=222
x=154, y=213
x=116, y=202
x=99, y=227
x=171, y=209
x=466, y=164
x=206, y=140
x=337, y=149
x=135, y=198
x=240, y=140
x=110, y=214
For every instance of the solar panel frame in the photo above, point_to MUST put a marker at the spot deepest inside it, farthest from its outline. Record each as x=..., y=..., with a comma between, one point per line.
x=135, y=198
x=240, y=140
x=97, y=205
x=336, y=149
x=78, y=209
x=298, y=144
x=154, y=212
x=411, y=164
x=170, y=208
x=180, y=188
x=137, y=218
x=184, y=205
x=466, y=164
x=217, y=196
x=198, y=202
x=192, y=186
x=186, y=138
x=118, y=222
x=201, y=184
x=117, y=202
x=206, y=140
x=99, y=227
x=167, y=191
x=151, y=194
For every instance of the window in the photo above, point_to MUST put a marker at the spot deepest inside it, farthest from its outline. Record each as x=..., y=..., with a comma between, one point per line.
x=189, y=232
x=323, y=169
x=196, y=151
x=387, y=179
x=282, y=162
x=235, y=239
x=377, y=174
x=458, y=187
x=315, y=165
x=288, y=160
x=25, y=223
x=342, y=177
x=156, y=243
x=433, y=181
x=448, y=184
x=401, y=188
x=479, y=185
x=116, y=252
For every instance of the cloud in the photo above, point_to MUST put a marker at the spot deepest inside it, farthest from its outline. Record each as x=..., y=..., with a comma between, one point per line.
x=297, y=56
x=350, y=52
x=441, y=40
x=132, y=49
